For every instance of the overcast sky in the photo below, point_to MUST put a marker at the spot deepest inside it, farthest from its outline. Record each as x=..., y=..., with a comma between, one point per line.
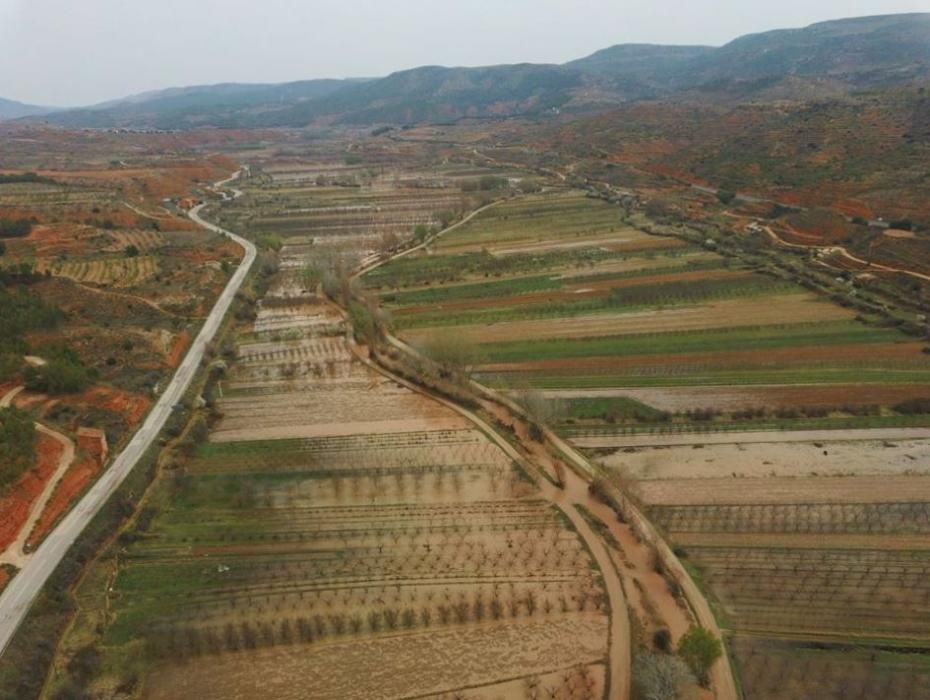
x=76, y=52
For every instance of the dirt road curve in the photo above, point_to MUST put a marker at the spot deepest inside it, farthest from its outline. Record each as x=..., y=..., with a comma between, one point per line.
x=23, y=589
x=14, y=554
x=619, y=659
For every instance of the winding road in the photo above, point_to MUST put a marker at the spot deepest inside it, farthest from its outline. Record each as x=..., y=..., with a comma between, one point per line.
x=25, y=586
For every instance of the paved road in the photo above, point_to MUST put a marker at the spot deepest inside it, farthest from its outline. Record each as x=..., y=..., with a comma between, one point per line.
x=23, y=589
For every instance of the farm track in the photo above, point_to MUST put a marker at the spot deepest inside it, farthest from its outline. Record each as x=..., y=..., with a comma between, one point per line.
x=131, y=297
x=15, y=554
x=837, y=249
x=620, y=636
x=721, y=674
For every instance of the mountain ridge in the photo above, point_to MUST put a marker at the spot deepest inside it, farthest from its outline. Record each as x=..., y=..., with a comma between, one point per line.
x=833, y=57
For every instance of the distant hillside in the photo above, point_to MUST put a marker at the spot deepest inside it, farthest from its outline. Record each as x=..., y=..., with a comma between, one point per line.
x=224, y=105
x=860, y=52
x=438, y=94
x=837, y=56
x=829, y=59
x=10, y=109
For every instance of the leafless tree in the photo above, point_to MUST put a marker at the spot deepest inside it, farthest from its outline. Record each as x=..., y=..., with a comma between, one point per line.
x=662, y=677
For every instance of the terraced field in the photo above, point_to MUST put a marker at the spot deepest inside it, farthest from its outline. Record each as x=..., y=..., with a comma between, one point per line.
x=346, y=209
x=113, y=272
x=555, y=291
x=332, y=518
x=840, y=565
x=818, y=582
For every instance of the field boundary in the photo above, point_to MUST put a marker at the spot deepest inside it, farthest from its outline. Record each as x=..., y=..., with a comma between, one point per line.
x=619, y=644
x=722, y=673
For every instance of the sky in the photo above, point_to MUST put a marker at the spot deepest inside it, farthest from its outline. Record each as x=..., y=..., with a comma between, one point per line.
x=79, y=52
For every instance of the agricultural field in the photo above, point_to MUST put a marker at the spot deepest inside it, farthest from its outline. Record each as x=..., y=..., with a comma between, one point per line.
x=820, y=580
x=777, y=439
x=630, y=332
x=332, y=517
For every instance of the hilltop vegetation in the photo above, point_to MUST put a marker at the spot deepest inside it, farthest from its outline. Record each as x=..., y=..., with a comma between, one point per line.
x=829, y=58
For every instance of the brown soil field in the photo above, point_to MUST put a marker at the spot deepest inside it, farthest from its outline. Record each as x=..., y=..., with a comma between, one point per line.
x=789, y=308
x=732, y=398
x=906, y=543
x=410, y=665
x=903, y=352
x=347, y=412
x=789, y=459
x=852, y=489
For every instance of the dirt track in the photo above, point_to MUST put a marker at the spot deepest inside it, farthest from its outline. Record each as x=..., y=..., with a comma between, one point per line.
x=14, y=554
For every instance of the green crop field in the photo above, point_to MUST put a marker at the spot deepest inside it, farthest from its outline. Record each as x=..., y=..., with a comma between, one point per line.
x=597, y=316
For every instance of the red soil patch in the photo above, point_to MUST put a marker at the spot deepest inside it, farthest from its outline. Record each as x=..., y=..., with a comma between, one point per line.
x=177, y=350
x=227, y=249
x=72, y=484
x=818, y=227
x=5, y=577
x=734, y=359
x=132, y=406
x=15, y=504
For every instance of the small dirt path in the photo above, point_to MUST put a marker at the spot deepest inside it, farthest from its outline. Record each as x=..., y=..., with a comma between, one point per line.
x=840, y=250
x=429, y=241
x=14, y=554
x=131, y=297
x=619, y=649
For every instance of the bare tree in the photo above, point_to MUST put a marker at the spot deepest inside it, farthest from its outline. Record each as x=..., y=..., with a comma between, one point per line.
x=662, y=677
x=454, y=355
x=541, y=411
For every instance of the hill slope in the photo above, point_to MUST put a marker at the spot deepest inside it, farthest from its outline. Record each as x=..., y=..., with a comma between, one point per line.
x=824, y=59
x=10, y=109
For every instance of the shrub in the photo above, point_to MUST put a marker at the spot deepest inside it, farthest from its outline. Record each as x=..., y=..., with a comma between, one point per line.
x=18, y=228
x=700, y=649
x=662, y=640
x=913, y=407
x=64, y=372
x=17, y=444
x=726, y=196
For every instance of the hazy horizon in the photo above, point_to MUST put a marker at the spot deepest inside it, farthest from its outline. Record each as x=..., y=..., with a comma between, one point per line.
x=107, y=50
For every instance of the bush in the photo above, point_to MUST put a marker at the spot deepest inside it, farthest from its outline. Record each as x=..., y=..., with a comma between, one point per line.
x=700, y=649
x=14, y=178
x=726, y=196
x=17, y=444
x=18, y=228
x=64, y=372
x=913, y=407
x=662, y=640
